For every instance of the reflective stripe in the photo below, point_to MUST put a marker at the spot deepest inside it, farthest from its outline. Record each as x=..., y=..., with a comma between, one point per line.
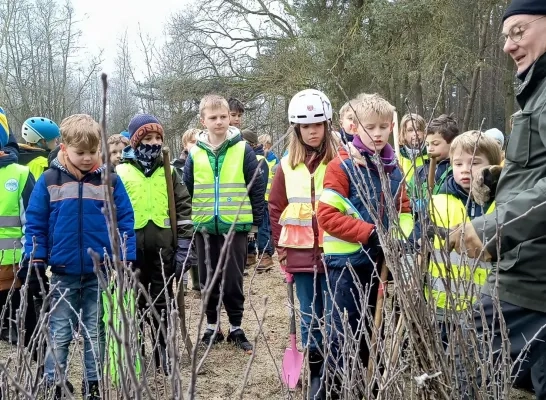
x=210, y=195
x=300, y=199
x=184, y=222
x=330, y=239
x=438, y=256
x=9, y=222
x=235, y=203
x=204, y=186
x=295, y=221
x=10, y=243
x=71, y=191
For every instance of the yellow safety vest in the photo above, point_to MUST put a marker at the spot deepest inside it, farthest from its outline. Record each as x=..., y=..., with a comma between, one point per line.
x=334, y=246
x=13, y=179
x=37, y=166
x=297, y=217
x=148, y=195
x=269, y=178
x=220, y=193
x=458, y=275
x=407, y=165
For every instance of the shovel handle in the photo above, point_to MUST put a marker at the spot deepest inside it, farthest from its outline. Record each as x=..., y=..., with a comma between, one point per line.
x=290, y=290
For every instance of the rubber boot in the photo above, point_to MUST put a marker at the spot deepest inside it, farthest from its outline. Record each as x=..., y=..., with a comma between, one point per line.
x=195, y=278
x=316, y=362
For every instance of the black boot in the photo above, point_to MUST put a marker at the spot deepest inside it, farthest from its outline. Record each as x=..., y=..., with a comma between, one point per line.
x=161, y=359
x=194, y=272
x=316, y=361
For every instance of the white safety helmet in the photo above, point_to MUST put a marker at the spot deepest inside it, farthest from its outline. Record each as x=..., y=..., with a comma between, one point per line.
x=308, y=107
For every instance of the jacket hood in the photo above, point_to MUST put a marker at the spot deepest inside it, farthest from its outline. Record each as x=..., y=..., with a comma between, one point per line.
x=233, y=136
x=259, y=150
x=28, y=153
x=128, y=153
x=7, y=157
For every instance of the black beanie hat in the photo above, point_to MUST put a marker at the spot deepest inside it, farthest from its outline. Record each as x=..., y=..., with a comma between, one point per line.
x=530, y=7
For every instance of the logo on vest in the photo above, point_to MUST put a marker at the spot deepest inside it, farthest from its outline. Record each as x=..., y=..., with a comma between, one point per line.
x=229, y=199
x=11, y=185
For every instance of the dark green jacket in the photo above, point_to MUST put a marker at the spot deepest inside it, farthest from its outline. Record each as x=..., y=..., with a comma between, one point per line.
x=521, y=203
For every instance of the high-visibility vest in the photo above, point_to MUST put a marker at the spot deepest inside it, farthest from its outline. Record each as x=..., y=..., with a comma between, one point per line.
x=452, y=273
x=13, y=179
x=269, y=177
x=407, y=165
x=220, y=193
x=334, y=246
x=37, y=166
x=297, y=217
x=148, y=195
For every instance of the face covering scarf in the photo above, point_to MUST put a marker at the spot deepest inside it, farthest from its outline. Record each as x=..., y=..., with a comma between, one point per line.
x=146, y=154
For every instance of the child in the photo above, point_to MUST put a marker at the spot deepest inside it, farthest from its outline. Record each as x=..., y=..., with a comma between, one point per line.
x=236, y=111
x=265, y=249
x=350, y=233
x=217, y=173
x=17, y=184
x=496, y=134
x=413, y=152
x=346, y=117
x=189, y=139
x=143, y=174
x=270, y=156
x=469, y=154
x=292, y=205
x=41, y=135
x=64, y=217
x=440, y=133
x=116, y=144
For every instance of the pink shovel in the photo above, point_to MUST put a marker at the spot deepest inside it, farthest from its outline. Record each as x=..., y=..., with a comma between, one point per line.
x=293, y=359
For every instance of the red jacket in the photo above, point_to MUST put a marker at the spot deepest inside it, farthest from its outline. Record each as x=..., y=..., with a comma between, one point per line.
x=297, y=260
x=343, y=226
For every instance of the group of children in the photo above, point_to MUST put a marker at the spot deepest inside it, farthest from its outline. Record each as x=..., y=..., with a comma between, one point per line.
x=328, y=204
x=322, y=207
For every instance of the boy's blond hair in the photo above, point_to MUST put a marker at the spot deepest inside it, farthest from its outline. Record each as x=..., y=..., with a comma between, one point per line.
x=346, y=109
x=474, y=142
x=265, y=139
x=82, y=131
x=117, y=139
x=189, y=136
x=418, y=122
x=367, y=105
x=212, y=101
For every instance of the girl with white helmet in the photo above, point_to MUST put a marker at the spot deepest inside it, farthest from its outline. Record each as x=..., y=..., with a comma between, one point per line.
x=295, y=192
x=41, y=135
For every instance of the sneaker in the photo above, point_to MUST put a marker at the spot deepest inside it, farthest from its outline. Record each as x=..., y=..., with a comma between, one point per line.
x=239, y=339
x=250, y=260
x=265, y=264
x=207, y=337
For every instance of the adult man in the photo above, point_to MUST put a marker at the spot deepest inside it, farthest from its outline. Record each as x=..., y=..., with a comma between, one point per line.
x=515, y=236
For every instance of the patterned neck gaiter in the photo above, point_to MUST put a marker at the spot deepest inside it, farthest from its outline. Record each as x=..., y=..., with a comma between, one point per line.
x=146, y=154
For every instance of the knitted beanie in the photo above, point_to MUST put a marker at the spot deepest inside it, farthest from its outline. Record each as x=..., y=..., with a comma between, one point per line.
x=250, y=136
x=530, y=7
x=4, y=129
x=141, y=125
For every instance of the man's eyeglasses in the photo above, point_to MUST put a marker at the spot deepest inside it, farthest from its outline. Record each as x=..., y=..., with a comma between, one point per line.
x=516, y=32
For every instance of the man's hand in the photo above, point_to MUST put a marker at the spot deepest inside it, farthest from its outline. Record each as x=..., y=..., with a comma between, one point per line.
x=485, y=184
x=464, y=239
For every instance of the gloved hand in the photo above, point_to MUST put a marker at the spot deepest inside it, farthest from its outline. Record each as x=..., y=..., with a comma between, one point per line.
x=184, y=257
x=484, y=185
x=36, y=272
x=373, y=240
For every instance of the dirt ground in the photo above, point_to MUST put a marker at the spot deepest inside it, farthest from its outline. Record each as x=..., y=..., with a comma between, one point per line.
x=223, y=370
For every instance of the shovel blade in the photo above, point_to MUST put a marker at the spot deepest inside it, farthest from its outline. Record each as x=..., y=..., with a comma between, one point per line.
x=292, y=363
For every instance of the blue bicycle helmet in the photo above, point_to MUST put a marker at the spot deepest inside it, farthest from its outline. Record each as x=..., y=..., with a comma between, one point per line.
x=36, y=128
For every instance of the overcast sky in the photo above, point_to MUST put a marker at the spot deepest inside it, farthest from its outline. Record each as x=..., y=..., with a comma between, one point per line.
x=103, y=22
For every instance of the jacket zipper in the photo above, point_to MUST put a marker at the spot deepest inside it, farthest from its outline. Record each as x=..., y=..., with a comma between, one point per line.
x=80, y=230
x=216, y=195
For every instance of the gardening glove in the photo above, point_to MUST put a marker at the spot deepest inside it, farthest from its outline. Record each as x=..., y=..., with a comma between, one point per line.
x=36, y=272
x=185, y=258
x=464, y=239
x=485, y=184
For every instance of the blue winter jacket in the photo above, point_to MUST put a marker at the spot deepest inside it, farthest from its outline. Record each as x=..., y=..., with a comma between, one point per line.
x=365, y=182
x=65, y=218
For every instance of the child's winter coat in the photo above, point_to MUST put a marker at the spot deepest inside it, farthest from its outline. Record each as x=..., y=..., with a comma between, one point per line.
x=65, y=218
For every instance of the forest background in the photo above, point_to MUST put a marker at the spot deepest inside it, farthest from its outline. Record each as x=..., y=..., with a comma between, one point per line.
x=414, y=52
